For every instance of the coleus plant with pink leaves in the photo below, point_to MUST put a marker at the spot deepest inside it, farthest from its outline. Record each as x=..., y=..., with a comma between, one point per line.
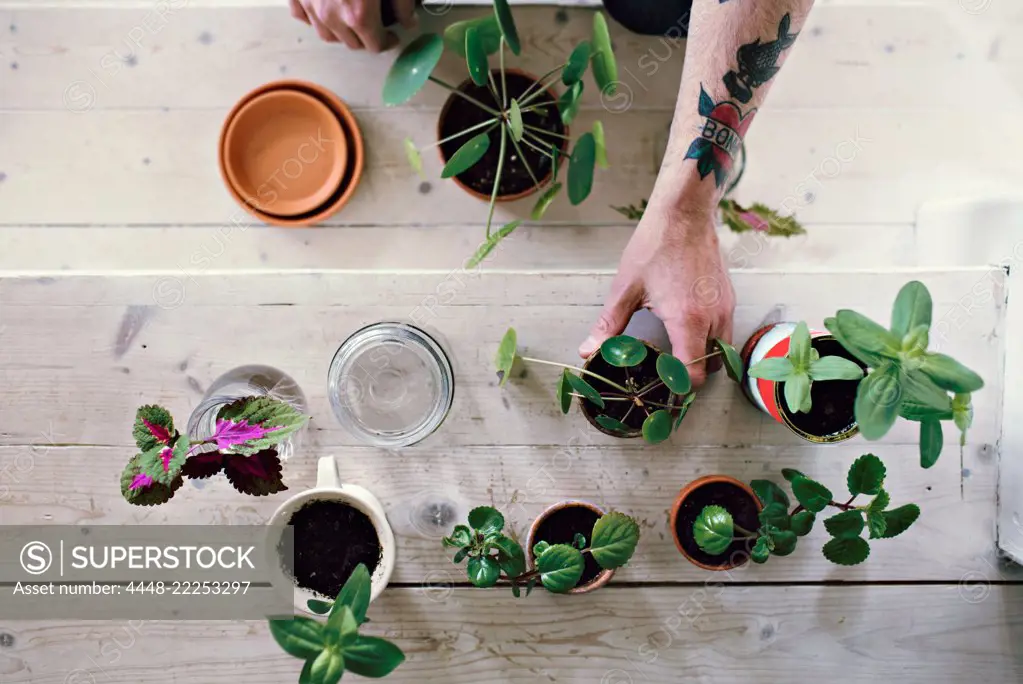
x=246, y=437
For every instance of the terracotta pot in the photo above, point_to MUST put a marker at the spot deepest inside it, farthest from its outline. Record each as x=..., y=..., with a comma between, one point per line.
x=772, y=341
x=336, y=197
x=680, y=499
x=603, y=578
x=590, y=411
x=500, y=198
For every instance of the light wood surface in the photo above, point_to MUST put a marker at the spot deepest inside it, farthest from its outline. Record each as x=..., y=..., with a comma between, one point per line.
x=109, y=167
x=706, y=634
x=130, y=143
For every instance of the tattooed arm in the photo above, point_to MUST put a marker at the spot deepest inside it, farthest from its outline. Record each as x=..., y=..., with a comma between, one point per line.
x=672, y=265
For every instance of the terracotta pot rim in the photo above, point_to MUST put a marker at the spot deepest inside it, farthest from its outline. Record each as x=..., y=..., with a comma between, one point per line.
x=592, y=419
x=500, y=198
x=605, y=575
x=356, y=154
x=684, y=494
x=311, y=103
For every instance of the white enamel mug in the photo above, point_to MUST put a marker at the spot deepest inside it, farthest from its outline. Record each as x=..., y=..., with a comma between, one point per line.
x=329, y=488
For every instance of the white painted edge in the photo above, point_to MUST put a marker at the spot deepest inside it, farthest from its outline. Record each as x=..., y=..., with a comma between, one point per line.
x=989, y=231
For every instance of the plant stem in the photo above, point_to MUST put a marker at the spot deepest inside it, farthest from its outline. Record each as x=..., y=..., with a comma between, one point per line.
x=491, y=122
x=524, y=577
x=749, y=535
x=504, y=84
x=546, y=132
x=847, y=506
x=540, y=80
x=573, y=394
x=533, y=108
x=470, y=98
x=627, y=414
x=492, y=84
x=497, y=179
x=663, y=406
x=581, y=370
x=649, y=388
x=705, y=356
x=541, y=151
x=540, y=91
x=523, y=158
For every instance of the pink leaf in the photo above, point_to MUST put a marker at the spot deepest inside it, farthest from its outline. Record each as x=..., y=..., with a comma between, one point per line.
x=755, y=222
x=230, y=433
x=166, y=454
x=141, y=480
x=159, y=432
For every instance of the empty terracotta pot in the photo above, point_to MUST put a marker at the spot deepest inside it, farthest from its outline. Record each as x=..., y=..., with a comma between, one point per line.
x=291, y=153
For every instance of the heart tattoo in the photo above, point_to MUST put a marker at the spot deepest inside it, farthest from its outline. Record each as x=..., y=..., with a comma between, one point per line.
x=720, y=138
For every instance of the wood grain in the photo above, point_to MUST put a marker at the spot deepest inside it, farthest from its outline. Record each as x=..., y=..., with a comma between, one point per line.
x=428, y=490
x=541, y=248
x=164, y=338
x=127, y=350
x=718, y=633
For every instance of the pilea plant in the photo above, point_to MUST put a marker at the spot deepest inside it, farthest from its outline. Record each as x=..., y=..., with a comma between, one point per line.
x=801, y=366
x=494, y=556
x=625, y=352
x=332, y=648
x=905, y=379
x=779, y=530
x=247, y=432
x=506, y=116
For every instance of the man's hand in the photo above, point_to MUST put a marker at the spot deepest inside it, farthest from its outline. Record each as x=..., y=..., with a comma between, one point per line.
x=356, y=23
x=672, y=266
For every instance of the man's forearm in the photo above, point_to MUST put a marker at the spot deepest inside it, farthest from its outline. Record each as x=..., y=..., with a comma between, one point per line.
x=735, y=49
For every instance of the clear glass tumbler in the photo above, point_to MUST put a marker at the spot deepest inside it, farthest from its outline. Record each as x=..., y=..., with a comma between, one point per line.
x=391, y=384
x=247, y=381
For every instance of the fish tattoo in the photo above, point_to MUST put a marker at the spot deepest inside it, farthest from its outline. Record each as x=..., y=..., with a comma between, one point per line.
x=758, y=62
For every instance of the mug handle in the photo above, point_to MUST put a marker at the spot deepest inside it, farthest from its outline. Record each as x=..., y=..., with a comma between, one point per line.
x=326, y=473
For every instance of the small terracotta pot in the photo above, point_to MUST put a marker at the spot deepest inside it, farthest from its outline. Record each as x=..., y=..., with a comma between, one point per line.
x=336, y=197
x=584, y=405
x=603, y=578
x=772, y=341
x=500, y=198
x=680, y=499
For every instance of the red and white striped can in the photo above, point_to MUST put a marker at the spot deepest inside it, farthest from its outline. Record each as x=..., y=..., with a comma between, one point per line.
x=772, y=341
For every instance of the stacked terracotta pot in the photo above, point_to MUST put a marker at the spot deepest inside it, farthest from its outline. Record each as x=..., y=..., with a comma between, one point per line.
x=291, y=153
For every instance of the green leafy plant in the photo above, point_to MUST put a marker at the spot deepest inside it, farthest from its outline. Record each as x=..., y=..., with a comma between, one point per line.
x=493, y=556
x=477, y=40
x=715, y=529
x=623, y=351
x=801, y=366
x=246, y=436
x=332, y=648
x=906, y=379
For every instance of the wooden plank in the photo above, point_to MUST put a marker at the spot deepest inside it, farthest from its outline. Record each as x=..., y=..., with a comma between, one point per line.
x=563, y=247
x=163, y=338
x=996, y=227
x=429, y=489
x=855, y=56
x=155, y=167
x=937, y=634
